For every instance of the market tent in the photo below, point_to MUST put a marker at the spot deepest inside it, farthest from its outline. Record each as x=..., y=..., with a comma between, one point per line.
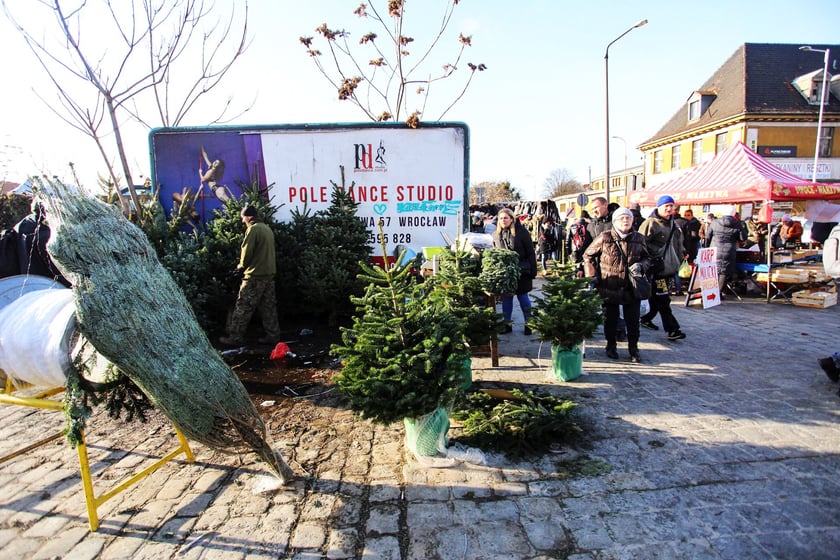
x=737, y=174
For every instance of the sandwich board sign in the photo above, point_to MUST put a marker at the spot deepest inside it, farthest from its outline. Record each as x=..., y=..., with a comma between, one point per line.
x=704, y=279
x=414, y=181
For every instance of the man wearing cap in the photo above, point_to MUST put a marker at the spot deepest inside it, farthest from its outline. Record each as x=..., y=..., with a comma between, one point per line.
x=256, y=292
x=662, y=235
x=791, y=231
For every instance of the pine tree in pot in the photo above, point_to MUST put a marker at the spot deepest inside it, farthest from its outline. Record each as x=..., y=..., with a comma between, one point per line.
x=403, y=356
x=566, y=314
x=456, y=286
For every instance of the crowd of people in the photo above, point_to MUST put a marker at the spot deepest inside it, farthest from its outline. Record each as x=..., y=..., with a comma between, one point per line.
x=610, y=244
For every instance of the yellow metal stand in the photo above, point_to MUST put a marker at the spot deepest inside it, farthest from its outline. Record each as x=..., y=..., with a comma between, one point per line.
x=93, y=501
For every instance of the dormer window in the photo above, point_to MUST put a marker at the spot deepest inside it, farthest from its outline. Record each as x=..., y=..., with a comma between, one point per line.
x=694, y=110
x=810, y=86
x=698, y=103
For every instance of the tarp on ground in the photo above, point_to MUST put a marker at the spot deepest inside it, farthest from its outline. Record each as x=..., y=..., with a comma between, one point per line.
x=737, y=174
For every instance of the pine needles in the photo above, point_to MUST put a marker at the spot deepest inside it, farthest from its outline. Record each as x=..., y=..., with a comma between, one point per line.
x=130, y=309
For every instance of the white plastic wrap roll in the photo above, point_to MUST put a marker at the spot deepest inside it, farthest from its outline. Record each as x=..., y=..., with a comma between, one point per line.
x=35, y=337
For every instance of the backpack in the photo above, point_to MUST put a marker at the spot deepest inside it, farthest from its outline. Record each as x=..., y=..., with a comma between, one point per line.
x=9, y=253
x=831, y=253
x=579, y=237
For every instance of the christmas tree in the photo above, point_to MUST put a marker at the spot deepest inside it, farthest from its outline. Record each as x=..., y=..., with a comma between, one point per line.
x=403, y=356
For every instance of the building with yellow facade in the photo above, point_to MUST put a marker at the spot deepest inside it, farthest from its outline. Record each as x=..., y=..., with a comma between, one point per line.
x=768, y=97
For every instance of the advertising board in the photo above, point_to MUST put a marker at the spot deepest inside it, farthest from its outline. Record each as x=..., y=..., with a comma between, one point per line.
x=416, y=181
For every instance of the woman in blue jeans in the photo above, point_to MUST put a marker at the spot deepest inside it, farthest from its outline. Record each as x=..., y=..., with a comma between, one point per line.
x=512, y=235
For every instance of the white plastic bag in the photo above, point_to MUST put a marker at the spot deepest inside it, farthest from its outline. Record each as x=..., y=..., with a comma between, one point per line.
x=37, y=329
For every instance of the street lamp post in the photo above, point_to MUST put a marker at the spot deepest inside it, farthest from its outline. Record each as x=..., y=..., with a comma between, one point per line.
x=607, y=98
x=822, y=105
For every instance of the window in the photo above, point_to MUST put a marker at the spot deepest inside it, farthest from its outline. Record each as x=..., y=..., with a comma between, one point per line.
x=817, y=93
x=720, y=142
x=696, y=152
x=810, y=86
x=694, y=110
x=675, y=157
x=826, y=137
x=657, y=161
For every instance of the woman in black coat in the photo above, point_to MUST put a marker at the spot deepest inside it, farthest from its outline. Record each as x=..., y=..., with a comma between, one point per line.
x=512, y=235
x=724, y=234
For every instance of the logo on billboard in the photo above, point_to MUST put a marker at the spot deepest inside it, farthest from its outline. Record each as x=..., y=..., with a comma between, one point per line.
x=777, y=151
x=369, y=160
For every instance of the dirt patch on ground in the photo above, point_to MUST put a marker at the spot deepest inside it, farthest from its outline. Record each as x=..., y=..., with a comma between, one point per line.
x=307, y=369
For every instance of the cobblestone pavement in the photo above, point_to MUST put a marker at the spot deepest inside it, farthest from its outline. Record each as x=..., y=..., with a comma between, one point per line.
x=722, y=445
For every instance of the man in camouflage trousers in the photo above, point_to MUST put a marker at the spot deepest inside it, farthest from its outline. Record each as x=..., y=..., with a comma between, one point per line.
x=256, y=292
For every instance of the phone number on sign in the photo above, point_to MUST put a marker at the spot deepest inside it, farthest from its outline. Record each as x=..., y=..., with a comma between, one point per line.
x=395, y=238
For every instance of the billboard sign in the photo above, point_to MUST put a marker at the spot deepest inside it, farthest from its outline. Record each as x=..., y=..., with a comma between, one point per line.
x=416, y=181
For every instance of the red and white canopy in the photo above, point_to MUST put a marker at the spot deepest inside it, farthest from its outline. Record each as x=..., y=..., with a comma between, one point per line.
x=737, y=174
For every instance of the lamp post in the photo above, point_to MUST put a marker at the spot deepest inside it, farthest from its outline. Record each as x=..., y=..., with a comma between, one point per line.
x=607, y=98
x=822, y=105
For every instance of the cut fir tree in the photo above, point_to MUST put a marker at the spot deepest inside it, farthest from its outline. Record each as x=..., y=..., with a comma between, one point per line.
x=565, y=315
x=403, y=357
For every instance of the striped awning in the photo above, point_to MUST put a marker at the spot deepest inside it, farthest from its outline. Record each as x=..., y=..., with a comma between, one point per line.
x=737, y=174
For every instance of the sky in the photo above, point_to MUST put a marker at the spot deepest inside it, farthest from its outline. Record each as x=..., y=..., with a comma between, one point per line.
x=539, y=106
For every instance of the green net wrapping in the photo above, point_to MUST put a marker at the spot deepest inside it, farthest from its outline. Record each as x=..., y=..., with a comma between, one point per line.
x=425, y=436
x=132, y=311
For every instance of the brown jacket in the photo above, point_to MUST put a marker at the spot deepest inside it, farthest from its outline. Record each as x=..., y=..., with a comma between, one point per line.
x=613, y=282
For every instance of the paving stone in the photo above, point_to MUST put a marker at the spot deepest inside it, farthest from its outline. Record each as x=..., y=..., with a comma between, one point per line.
x=384, y=491
x=89, y=549
x=58, y=545
x=384, y=548
x=46, y=527
x=342, y=544
x=383, y=520
x=308, y=535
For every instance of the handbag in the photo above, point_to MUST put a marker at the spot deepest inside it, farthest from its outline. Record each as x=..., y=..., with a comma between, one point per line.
x=684, y=271
x=640, y=284
x=670, y=258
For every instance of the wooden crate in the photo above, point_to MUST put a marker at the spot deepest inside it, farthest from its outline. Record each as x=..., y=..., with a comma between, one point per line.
x=785, y=276
x=813, y=298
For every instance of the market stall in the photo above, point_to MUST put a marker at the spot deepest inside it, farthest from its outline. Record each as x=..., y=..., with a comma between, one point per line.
x=740, y=175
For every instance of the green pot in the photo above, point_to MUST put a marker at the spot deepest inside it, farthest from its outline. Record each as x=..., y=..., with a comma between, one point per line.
x=426, y=435
x=566, y=364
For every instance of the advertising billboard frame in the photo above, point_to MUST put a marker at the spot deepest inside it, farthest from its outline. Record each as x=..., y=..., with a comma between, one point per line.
x=415, y=178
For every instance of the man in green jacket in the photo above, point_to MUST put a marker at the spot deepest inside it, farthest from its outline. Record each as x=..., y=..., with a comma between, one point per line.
x=256, y=292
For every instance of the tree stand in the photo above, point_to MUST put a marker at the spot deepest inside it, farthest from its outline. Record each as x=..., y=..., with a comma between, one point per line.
x=40, y=400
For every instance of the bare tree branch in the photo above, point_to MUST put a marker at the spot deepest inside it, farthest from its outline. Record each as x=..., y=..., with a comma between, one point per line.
x=164, y=54
x=560, y=182
x=385, y=85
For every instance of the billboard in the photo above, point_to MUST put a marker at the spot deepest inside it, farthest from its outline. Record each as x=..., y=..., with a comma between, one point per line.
x=416, y=181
